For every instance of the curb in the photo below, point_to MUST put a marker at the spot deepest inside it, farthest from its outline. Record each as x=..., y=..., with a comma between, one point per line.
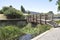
x=39, y=36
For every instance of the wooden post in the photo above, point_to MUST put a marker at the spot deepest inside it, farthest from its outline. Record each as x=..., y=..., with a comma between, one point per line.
x=40, y=18
x=52, y=16
x=36, y=18
x=30, y=18
x=33, y=17
x=45, y=18
x=27, y=18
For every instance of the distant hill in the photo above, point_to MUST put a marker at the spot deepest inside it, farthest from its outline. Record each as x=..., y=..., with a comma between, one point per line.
x=31, y=12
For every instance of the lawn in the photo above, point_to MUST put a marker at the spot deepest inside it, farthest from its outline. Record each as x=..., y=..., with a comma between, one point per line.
x=11, y=32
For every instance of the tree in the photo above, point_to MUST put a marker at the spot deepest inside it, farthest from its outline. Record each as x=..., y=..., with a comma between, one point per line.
x=22, y=9
x=1, y=12
x=4, y=8
x=58, y=3
x=11, y=12
x=50, y=0
x=28, y=12
x=50, y=12
x=10, y=6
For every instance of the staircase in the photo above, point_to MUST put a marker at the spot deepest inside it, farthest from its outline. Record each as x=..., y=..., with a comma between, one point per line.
x=52, y=23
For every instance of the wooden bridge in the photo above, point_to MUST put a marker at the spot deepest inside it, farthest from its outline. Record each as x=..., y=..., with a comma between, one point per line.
x=42, y=19
x=39, y=18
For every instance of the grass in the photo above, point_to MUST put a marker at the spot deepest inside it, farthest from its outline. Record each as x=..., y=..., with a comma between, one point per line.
x=10, y=32
x=35, y=30
x=58, y=21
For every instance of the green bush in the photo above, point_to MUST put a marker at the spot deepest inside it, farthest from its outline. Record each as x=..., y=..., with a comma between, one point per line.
x=10, y=33
x=11, y=12
x=13, y=32
x=43, y=28
x=57, y=21
x=28, y=29
x=35, y=30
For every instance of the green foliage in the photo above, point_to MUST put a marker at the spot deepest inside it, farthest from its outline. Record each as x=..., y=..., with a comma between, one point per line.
x=22, y=9
x=50, y=0
x=11, y=12
x=28, y=29
x=10, y=6
x=10, y=33
x=1, y=12
x=58, y=21
x=35, y=30
x=58, y=8
x=58, y=3
x=5, y=8
x=28, y=12
x=13, y=32
x=50, y=12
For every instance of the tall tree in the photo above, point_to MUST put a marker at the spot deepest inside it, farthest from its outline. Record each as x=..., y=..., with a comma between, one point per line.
x=10, y=6
x=4, y=8
x=22, y=9
x=11, y=12
x=28, y=12
x=58, y=3
x=50, y=12
x=50, y=0
x=52, y=15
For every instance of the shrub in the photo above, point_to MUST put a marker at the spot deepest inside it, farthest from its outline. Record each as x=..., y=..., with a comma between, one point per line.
x=11, y=12
x=10, y=33
x=57, y=21
x=35, y=30
x=28, y=29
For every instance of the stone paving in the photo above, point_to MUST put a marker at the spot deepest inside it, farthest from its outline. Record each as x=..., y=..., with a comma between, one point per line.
x=51, y=35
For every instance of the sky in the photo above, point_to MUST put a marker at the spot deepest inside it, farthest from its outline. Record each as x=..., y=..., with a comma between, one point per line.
x=42, y=6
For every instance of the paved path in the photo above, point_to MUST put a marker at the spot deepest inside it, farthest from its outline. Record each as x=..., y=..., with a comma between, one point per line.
x=53, y=34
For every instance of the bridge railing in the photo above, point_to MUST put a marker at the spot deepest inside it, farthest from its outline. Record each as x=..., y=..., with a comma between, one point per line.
x=37, y=18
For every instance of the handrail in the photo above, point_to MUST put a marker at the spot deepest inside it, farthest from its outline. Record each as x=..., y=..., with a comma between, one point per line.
x=52, y=23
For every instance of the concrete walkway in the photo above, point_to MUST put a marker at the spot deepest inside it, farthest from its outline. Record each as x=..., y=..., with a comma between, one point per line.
x=53, y=34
